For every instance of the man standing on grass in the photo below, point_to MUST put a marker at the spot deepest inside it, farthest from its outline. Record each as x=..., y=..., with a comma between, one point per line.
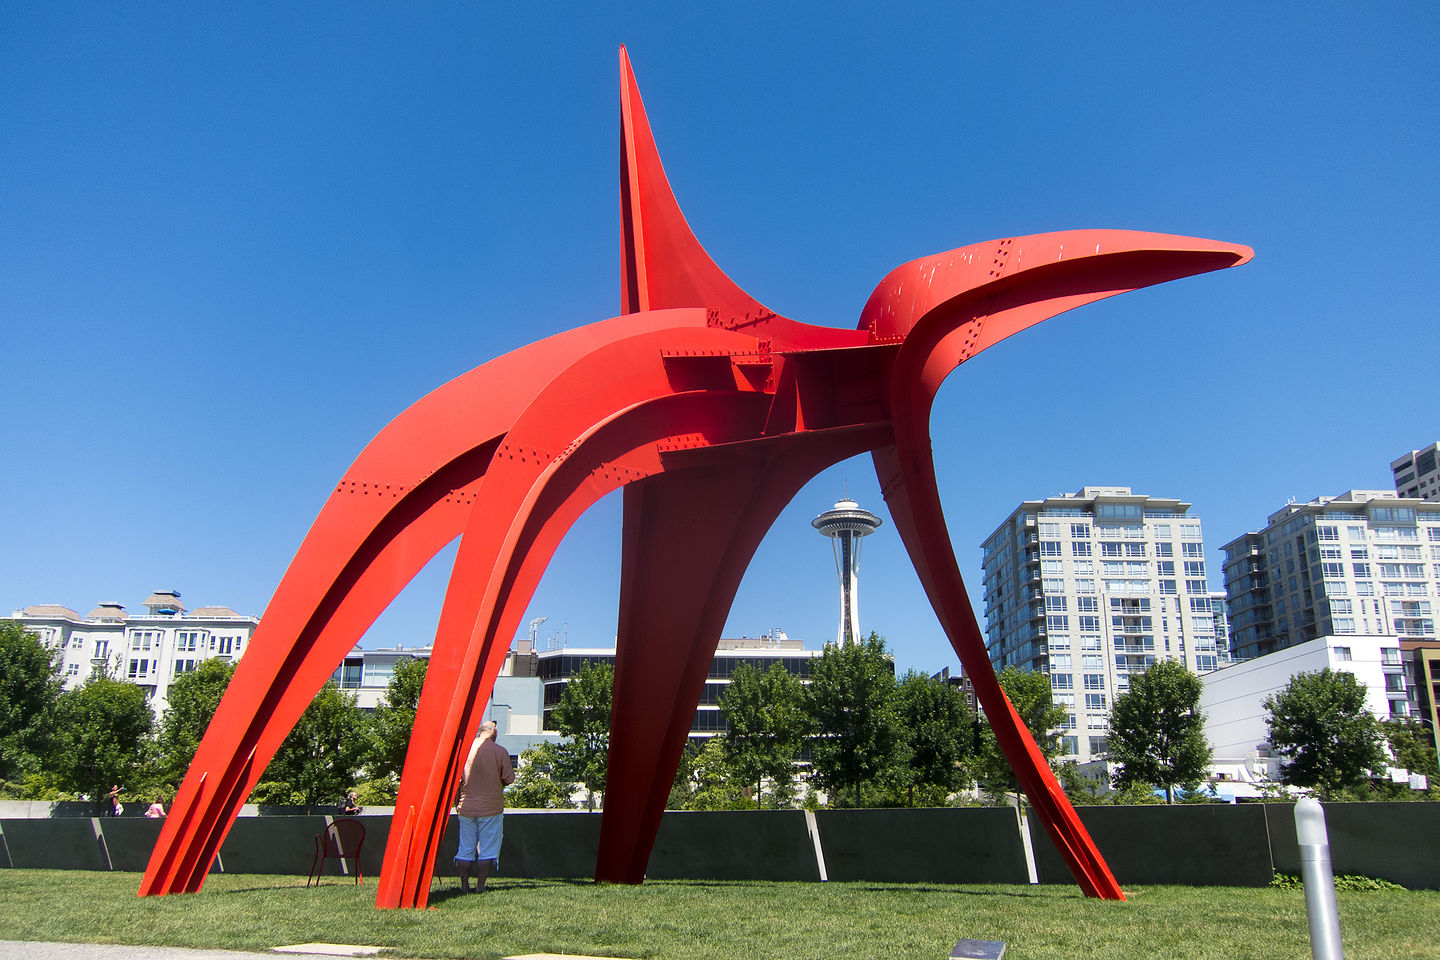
x=480, y=803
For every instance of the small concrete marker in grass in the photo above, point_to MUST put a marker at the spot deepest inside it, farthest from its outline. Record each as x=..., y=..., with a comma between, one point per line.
x=978, y=950
x=331, y=949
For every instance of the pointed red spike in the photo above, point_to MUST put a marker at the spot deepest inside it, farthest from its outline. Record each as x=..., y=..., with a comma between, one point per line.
x=662, y=264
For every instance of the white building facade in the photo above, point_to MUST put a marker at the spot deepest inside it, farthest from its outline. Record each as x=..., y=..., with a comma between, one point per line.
x=1092, y=587
x=150, y=649
x=1417, y=473
x=1233, y=701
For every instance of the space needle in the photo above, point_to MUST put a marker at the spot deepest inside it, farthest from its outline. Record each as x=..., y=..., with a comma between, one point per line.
x=845, y=526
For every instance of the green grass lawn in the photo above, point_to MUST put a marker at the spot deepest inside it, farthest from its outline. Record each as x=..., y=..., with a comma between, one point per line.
x=715, y=921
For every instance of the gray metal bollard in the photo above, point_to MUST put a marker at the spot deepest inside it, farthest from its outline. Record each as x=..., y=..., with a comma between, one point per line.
x=1319, y=879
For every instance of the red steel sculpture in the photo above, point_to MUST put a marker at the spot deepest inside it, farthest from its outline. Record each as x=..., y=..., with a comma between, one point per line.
x=711, y=411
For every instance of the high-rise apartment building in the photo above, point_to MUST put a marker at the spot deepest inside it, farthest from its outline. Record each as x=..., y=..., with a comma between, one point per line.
x=1091, y=587
x=1365, y=562
x=1417, y=474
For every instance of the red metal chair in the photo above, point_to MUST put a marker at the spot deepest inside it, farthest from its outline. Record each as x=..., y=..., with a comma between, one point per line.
x=341, y=841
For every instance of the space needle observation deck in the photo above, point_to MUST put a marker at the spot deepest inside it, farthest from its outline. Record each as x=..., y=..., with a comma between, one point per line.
x=846, y=525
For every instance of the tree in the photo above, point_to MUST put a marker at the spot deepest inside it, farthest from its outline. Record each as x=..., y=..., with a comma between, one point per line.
x=850, y=700
x=1412, y=745
x=1030, y=695
x=704, y=781
x=1157, y=733
x=193, y=698
x=936, y=723
x=394, y=718
x=319, y=760
x=583, y=718
x=1323, y=733
x=537, y=784
x=765, y=727
x=29, y=691
x=102, y=736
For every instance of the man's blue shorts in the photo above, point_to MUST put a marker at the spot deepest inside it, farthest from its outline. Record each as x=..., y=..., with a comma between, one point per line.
x=480, y=838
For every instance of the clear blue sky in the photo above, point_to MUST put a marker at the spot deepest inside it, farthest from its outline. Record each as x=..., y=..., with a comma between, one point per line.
x=235, y=240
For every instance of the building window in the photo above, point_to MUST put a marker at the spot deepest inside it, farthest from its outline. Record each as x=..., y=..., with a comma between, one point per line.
x=1342, y=653
x=1062, y=681
x=1080, y=531
x=1081, y=548
x=1345, y=625
x=1328, y=533
x=1094, y=701
x=1055, y=604
x=1057, y=623
x=1094, y=681
x=1050, y=548
x=72, y=670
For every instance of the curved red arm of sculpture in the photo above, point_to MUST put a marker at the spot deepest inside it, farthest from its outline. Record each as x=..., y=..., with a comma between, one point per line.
x=711, y=412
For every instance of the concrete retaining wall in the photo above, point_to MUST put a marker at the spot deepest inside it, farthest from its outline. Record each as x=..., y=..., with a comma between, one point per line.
x=1399, y=842
x=940, y=845
x=1196, y=845
x=769, y=845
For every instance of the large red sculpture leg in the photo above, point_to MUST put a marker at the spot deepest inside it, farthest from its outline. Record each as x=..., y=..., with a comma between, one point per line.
x=405, y=497
x=689, y=536
x=946, y=320
x=569, y=449
x=914, y=504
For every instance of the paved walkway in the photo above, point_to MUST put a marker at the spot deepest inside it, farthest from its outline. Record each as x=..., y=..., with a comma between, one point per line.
x=21, y=950
x=18, y=950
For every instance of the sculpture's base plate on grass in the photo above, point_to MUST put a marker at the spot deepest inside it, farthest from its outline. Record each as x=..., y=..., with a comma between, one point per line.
x=332, y=949
x=978, y=950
